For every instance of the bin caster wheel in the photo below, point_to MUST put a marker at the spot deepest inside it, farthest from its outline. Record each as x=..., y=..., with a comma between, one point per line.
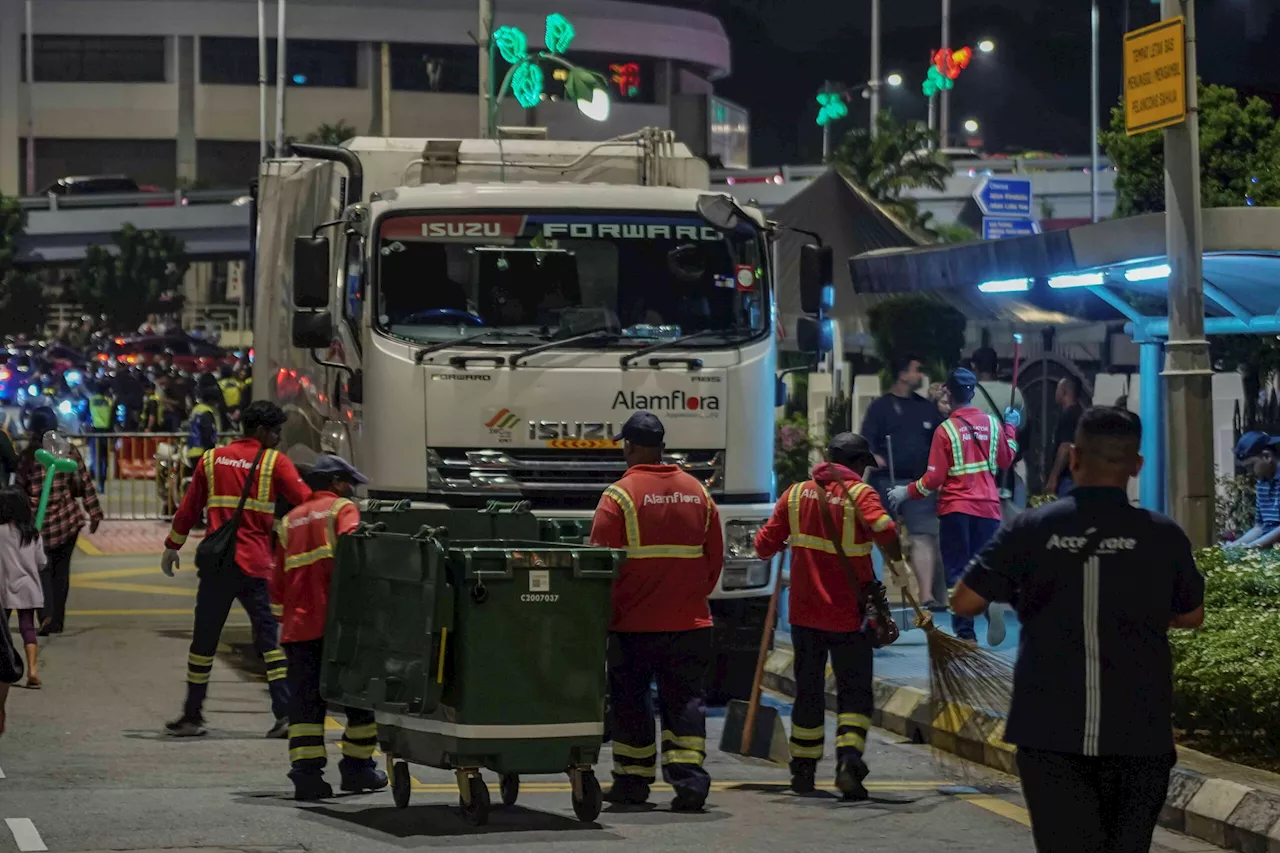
x=588, y=808
x=476, y=812
x=400, y=784
x=510, y=788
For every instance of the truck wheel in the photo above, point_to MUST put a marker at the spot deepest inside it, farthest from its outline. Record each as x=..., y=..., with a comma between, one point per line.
x=510, y=788
x=588, y=808
x=476, y=812
x=400, y=784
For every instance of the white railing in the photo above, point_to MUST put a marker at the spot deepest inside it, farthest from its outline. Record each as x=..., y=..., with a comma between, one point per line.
x=214, y=318
x=992, y=166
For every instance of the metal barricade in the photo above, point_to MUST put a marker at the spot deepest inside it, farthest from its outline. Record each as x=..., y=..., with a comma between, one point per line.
x=140, y=476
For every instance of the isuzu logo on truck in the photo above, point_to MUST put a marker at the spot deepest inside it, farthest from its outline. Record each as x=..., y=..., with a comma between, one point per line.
x=461, y=229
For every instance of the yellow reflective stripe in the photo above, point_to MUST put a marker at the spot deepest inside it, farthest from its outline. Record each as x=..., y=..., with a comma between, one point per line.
x=282, y=533
x=681, y=756
x=198, y=677
x=996, y=435
x=277, y=610
x=331, y=523
x=924, y=490
x=361, y=732
x=684, y=741
x=802, y=733
x=957, y=448
x=177, y=538
x=706, y=525
x=298, y=560
x=266, y=467
x=857, y=741
x=207, y=461
x=669, y=552
x=634, y=770
x=798, y=751
x=303, y=753
x=199, y=660
x=274, y=656
x=629, y=517
x=862, y=721
x=814, y=543
x=251, y=505
x=793, y=510
x=352, y=750
x=277, y=673
x=627, y=751
x=881, y=523
x=306, y=730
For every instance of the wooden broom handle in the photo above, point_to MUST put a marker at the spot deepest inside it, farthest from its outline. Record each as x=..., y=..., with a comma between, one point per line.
x=766, y=640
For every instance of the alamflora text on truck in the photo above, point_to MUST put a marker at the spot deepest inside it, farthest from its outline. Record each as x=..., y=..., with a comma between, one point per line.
x=470, y=320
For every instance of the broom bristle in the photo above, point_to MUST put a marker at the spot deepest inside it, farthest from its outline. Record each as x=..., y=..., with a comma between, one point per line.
x=961, y=673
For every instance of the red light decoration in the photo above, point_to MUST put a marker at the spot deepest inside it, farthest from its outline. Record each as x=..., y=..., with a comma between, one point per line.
x=952, y=62
x=626, y=76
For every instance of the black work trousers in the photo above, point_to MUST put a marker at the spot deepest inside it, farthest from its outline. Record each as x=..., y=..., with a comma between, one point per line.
x=678, y=661
x=307, y=713
x=55, y=578
x=850, y=655
x=213, y=603
x=1093, y=804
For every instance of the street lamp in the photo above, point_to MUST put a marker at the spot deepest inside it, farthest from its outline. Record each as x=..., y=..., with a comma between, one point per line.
x=986, y=46
x=971, y=125
x=894, y=79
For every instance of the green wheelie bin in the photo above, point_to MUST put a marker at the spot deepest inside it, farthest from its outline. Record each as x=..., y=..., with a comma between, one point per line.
x=493, y=658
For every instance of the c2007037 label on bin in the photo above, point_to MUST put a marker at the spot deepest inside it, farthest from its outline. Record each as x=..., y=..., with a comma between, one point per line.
x=539, y=580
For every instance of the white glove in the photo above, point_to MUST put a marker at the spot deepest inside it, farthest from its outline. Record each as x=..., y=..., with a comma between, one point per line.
x=897, y=497
x=169, y=562
x=1013, y=417
x=900, y=572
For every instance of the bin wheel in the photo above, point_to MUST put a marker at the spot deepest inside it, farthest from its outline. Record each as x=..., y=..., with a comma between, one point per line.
x=400, y=784
x=588, y=808
x=476, y=812
x=510, y=787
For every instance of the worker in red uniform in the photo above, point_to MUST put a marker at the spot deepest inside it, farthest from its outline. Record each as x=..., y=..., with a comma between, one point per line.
x=218, y=484
x=308, y=541
x=661, y=624
x=825, y=609
x=969, y=449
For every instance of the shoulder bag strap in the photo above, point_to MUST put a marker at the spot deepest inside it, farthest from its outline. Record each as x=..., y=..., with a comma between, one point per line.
x=248, y=486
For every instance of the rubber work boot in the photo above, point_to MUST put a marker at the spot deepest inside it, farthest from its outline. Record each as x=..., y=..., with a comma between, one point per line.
x=309, y=787
x=280, y=730
x=185, y=726
x=849, y=776
x=362, y=778
x=687, y=802
x=623, y=794
x=802, y=780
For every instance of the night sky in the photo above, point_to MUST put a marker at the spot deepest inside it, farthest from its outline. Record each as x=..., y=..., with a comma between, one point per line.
x=1032, y=93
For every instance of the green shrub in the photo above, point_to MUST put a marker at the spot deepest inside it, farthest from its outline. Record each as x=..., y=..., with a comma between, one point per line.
x=791, y=446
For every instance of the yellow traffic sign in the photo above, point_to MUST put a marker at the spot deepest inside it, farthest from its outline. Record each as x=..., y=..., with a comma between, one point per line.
x=1155, y=83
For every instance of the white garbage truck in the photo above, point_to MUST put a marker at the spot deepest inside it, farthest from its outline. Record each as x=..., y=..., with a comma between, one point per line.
x=474, y=320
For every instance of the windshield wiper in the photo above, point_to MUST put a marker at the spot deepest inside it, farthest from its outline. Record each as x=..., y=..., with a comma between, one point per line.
x=594, y=333
x=490, y=333
x=626, y=360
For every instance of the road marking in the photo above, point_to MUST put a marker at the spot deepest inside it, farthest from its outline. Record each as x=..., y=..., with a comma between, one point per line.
x=144, y=588
x=88, y=547
x=995, y=805
x=564, y=787
x=108, y=574
x=155, y=612
x=1, y=772
x=25, y=834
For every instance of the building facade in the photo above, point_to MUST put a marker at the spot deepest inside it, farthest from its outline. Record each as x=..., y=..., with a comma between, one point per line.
x=166, y=91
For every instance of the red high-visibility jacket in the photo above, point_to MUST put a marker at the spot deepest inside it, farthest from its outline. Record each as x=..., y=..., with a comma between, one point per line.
x=308, y=539
x=821, y=595
x=218, y=483
x=967, y=451
x=666, y=520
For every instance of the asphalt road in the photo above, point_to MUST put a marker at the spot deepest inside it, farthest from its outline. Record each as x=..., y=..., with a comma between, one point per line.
x=83, y=767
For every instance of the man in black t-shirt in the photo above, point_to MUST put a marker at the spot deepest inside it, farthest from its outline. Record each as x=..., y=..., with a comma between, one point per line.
x=1097, y=584
x=1067, y=396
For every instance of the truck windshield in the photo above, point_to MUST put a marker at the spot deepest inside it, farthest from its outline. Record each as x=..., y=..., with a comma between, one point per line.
x=552, y=275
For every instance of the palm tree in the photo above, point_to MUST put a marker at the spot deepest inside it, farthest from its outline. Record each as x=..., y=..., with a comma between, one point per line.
x=900, y=157
x=331, y=134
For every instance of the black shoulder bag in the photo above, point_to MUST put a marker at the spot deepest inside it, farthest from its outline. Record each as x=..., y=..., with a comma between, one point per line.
x=10, y=659
x=877, y=618
x=216, y=553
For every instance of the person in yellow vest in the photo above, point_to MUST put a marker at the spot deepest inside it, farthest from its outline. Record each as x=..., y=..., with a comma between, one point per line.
x=232, y=390
x=300, y=583
x=204, y=426
x=99, y=420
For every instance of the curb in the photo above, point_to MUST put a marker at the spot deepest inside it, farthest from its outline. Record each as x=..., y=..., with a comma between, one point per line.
x=1220, y=811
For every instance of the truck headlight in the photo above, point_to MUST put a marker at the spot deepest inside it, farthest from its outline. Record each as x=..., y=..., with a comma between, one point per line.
x=742, y=568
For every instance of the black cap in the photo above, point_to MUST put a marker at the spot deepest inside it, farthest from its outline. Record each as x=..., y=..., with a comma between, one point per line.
x=848, y=447
x=643, y=429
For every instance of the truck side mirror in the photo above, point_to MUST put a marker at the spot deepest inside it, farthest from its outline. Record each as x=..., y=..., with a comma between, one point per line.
x=312, y=329
x=808, y=336
x=815, y=274
x=311, y=272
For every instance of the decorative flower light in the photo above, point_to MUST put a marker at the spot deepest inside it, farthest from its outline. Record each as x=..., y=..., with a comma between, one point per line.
x=525, y=78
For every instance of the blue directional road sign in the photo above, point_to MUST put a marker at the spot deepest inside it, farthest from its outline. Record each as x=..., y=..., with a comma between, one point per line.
x=1004, y=197
x=1000, y=227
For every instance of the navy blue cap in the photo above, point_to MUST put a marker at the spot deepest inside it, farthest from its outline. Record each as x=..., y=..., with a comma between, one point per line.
x=643, y=429
x=1253, y=443
x=336, y=466
x=961, y=384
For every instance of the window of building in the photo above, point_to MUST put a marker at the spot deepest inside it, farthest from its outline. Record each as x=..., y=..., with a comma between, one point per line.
x=231, y=61
x=435, y=68
x=97, y=59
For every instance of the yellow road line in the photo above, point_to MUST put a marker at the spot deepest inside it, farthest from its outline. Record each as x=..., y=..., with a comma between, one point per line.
x=110, y=574
x=144, y=588
x=88, y=547
x=154, y=612
x=564, y=787
x=995, y=805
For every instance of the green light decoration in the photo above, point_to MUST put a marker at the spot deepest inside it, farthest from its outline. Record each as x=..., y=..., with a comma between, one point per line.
x=935, y=81
x=831, y=107
x=560, y=33
x=526, y=84
x=511, y=44
x=525, y=77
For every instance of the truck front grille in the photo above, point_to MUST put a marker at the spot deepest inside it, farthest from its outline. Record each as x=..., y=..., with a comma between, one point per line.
x=550, y=477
